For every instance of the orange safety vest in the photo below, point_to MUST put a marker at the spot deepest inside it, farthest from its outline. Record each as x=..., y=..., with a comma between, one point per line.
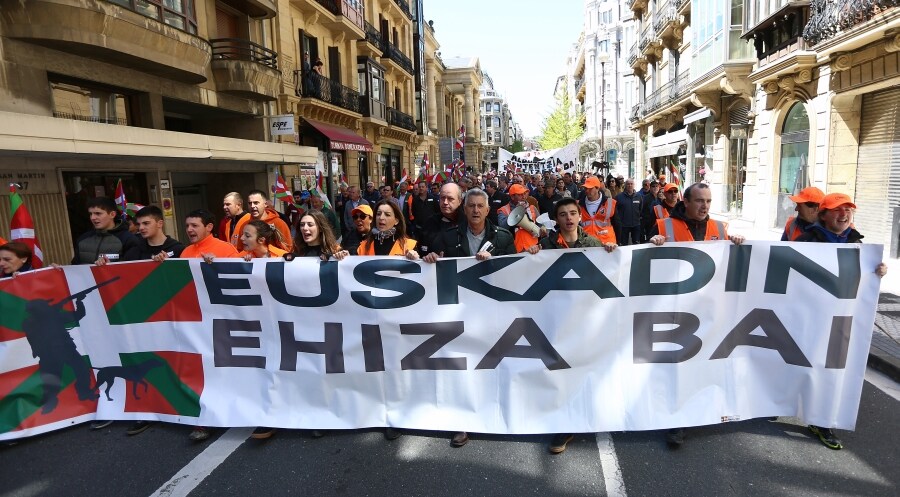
x=409, y=201
x=395, y=250
x=792, y=229
x=522, y=238
x=676, y=230
x=660, y=211
x=598, y=225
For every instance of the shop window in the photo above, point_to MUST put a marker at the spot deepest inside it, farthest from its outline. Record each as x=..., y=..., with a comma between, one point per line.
x=81, y=187
x=793, y=174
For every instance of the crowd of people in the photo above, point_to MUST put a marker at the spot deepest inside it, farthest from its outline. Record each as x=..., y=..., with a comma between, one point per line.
x=477, y=216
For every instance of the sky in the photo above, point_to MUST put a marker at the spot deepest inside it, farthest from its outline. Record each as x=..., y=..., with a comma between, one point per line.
x=522, y=45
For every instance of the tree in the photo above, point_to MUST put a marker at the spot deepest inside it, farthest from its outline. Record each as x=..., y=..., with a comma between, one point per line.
x=563, y=125
x=516, y=147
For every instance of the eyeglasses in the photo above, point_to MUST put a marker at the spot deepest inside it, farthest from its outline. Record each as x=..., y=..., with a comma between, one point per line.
x=359, y=216
x=811, y=205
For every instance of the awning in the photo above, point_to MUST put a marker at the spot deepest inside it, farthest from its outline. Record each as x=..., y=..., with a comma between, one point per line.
x=697, y=115
x=664, y=150
x=341, y=138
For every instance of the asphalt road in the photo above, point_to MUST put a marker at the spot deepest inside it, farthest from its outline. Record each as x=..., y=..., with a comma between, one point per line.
x=752, y=458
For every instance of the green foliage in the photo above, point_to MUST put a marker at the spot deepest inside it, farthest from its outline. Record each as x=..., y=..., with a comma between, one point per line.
x=563, y=125
x=516, y=147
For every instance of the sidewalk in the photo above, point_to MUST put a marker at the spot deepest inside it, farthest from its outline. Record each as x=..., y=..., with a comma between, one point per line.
x=884, y=354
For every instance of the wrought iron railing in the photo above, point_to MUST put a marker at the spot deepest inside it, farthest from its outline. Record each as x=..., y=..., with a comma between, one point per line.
x=579, y=84
x=237, y=49
x=827, y=18
x=404, y=6
x=352, y=10
x=401, y=120
x=668, y=93
x=645, y=36
x=663, y=14
x=680, y=3
x=633, y=54
x=635, y=114
x=92, y=119
x=313, y=85
x=390, y=51
x=373, y=35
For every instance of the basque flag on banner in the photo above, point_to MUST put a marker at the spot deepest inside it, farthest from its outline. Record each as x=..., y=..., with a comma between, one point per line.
x=21, y=227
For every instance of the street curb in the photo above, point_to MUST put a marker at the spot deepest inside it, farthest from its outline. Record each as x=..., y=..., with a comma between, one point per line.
x=885, y=363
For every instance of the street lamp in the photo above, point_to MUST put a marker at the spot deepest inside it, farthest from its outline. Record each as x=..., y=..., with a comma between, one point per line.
x=603, y=57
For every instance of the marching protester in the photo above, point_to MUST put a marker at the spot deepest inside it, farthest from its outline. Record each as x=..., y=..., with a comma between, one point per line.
x=421, y=207
x=524, y=240
x=807, y=200
x=260, y=211
x=629, y=205
x=236, y=218
x=389, y=236
x=109, y=240
x=689, y=221
x=362, y=218
x=598, y=212
x=450, y=205
x=261, y=240
x=659, y=209
x=834, y=224
x=353, y=201
x=15, y=258
x=568, y=234
x=548, y=198
x=317, y=204
x=315, y=238
x=496, y=199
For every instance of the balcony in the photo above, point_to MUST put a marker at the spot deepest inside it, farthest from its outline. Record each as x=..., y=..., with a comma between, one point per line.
x=668, y=94
x=636, y=114
x=370, y=46
x=244, y=68
x=666, y=25
x=112, y=33
x=400, y=120
x=315, y=86
x=637, y=6
x=682, y=7
x=342, y=16
x=828, y=18
x=392, y=53
x=579, y=89
x=404, y=7
x=257, y=9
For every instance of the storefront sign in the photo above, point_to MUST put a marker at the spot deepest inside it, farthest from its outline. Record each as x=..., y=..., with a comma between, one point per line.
x=282, y=125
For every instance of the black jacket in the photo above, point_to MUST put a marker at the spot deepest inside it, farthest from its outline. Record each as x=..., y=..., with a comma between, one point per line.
x=454, y=242
x=421, y=211
x=495, y=202
x=545, y=203
x=432, y=228
x=118, y=241
x=628, y=209
x=814, y=234
x=146, y=251
x=352, y=240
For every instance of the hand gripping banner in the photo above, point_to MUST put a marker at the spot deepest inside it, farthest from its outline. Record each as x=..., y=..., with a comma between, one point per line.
x=563, y=341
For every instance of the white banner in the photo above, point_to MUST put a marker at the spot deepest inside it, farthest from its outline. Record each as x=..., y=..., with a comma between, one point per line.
x=562, y=341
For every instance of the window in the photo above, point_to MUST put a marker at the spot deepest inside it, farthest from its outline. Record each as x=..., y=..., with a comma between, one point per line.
x=175, y=13
x=487, y=106
x=496, y=106
x=793, y=172
x=497, y=136
x=83, y=102
x=496, y=122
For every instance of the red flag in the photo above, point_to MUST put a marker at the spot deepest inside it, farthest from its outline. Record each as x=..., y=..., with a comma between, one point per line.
x=282, y=193
x=121, y=202
x=461, y=138
x=21, y=227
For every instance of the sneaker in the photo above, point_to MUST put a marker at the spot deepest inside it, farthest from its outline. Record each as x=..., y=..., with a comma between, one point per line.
x=827, y=437
x=675, y=437
x=262, y=432
x=559, y=442
x=459, y=439
x=138, y=427
x=199, y=434
x=392, y=433
x=99, y=425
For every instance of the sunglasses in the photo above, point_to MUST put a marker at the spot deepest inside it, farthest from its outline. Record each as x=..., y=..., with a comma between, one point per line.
x=360, y=216
x=811, y=205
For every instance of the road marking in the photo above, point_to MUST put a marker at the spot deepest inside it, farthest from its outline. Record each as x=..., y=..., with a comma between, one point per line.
x=198, y=469
x=609, y=463
x=883, y=383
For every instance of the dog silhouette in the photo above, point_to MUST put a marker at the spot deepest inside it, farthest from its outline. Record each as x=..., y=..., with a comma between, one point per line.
x=134, y=373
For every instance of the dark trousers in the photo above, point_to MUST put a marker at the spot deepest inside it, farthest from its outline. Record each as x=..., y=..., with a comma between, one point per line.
x=629, y=236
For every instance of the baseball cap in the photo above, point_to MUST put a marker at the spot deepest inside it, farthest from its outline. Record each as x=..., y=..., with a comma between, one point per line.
x=517, y=189
x=365, y=209
x=835, y=200
x=593, y=182
x=670, y=186
x=808, y=194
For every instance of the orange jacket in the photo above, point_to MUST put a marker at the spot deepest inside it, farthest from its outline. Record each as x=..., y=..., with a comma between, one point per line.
x=792, y=230
x=271, y=218
x=369, y=248
x=599, y=225
x=235, y=237
x=676, y=230
x=209, y=245
x=522, y=238
x=3, y=241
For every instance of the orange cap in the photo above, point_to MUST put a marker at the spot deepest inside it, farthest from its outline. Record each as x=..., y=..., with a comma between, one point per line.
x=835, y=200
x=365, y=209
x=517, y=189
x=593, y=182
x=670, y=186
x=808, y=194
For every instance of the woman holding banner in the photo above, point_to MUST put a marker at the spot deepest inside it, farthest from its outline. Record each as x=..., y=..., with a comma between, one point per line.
x=261, y=240
x=389, y=236
x=15, y=258
x=315, y=238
